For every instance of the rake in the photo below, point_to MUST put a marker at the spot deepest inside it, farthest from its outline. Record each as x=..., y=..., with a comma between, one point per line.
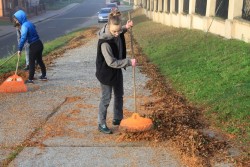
x=14, y=83
x=135, y=123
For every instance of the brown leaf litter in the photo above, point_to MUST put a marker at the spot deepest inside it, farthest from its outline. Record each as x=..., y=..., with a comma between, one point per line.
x=177, y=122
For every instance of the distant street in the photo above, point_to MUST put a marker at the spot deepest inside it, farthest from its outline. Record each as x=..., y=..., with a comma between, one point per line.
x=80, y=16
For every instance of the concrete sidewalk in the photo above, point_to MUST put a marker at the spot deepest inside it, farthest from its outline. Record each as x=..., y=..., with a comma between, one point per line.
x=58, y=119
x=8, y=29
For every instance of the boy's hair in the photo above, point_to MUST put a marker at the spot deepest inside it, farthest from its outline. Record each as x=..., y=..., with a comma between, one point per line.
x=114, y=18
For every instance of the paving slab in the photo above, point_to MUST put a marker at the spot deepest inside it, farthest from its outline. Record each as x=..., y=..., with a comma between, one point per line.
x=95, y=156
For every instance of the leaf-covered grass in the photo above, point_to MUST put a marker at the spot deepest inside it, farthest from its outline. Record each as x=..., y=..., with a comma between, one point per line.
x=208, y=70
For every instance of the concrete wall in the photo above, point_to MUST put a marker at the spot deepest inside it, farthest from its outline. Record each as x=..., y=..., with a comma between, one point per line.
x=232, y=27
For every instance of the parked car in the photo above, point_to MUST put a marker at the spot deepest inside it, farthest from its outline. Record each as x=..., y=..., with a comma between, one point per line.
x=113, y=6
x=103, y=14
x=115, y=1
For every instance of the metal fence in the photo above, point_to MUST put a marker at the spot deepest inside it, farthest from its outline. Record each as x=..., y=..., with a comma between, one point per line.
x=200, y=7
x=176, y=8
x=222, y=8
x=186, y=6
x=152, y=5
x=246, y=10
x=156, y=7
x=163, y=5
x=168, y=8
x=148, y=4
x=30, y=10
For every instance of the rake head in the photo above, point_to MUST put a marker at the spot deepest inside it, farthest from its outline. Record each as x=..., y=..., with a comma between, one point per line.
x=136, y=123
x=13, y=84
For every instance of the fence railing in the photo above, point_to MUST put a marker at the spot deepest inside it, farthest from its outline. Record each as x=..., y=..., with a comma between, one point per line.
x=176, y=6
x=200, y=7
x=222, y=8
x=246, y=10
x=32, y=10
x=168, y=8
x=186, y=6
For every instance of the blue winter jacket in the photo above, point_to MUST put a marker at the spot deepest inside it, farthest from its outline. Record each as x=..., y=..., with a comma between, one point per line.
x=28, y=30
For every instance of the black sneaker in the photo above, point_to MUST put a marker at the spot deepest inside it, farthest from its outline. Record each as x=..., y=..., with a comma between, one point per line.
x=29, y=81
x=116, y=122
x=26, y=68
x=103, y=128
x=43, y=78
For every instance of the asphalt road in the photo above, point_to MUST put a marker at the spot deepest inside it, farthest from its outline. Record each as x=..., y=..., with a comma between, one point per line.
x=80, y=16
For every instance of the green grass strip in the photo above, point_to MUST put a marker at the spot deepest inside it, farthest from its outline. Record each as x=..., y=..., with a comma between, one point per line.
x=48, y=48
x=210, y=71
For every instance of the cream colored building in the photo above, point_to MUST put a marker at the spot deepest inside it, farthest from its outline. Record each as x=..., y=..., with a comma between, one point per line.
x=232, y=27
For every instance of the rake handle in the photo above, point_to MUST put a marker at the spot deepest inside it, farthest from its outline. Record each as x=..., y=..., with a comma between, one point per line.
x=132, y=52
x=18, y=57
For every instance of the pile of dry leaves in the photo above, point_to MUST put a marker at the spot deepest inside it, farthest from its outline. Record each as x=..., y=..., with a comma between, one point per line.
x=177, y=122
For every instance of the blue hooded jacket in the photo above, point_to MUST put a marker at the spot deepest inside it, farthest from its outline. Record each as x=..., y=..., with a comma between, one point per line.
x=28, y=29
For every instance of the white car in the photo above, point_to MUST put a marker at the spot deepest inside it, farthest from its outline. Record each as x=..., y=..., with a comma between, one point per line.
x=103, y=14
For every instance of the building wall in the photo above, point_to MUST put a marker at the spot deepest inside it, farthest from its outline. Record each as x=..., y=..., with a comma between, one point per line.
x=232, y=27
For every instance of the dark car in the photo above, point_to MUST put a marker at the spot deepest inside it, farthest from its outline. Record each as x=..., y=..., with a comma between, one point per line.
x=115, y=1
x=113, y=6
x=103, y=14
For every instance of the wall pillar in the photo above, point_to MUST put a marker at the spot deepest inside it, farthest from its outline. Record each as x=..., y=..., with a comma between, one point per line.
x=152, y=5
x=165, y=7
x=144, y=2
x=211, y=5
x=135, y=2
x=181, y=3
x=192, y=6
x=160, y=7
x=155, y=6
x=235, y=8
x=172, y=6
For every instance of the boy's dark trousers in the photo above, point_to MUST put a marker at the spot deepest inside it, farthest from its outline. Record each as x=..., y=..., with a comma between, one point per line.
x=36, y=50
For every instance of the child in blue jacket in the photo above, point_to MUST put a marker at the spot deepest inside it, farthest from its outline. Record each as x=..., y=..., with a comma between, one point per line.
x=29, y=33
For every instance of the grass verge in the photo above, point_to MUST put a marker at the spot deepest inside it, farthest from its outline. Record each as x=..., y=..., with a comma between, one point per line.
x=48, y=48
x=208, y=70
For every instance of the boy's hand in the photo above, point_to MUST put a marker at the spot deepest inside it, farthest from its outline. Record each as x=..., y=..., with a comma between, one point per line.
x=129, y=24
x=19, y=53
x=133, y=62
